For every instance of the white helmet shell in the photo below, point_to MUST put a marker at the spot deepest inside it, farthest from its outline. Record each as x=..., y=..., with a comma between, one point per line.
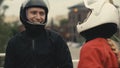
x=106, y=13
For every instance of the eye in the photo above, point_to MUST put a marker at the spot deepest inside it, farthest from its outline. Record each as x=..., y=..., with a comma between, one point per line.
x=42, y=13
x=33, y=12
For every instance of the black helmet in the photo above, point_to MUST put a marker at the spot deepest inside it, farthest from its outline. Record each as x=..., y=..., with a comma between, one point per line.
x=33, y=29
x=32, y=3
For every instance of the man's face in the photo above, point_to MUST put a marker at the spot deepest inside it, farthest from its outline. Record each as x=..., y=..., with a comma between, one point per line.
x=36, y=15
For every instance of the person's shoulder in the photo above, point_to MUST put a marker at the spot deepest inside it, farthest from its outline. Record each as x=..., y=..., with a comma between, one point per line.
x=15, y=37
x=53, y=33
x=98, y=40
x=96, y=43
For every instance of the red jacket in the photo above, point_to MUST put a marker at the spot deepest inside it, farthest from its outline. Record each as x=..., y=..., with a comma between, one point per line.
x=97, y=53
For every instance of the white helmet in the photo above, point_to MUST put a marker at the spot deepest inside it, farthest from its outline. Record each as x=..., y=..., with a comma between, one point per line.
x=102, y=12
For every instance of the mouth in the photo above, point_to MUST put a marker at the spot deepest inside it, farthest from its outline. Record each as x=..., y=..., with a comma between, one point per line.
x=37, y=23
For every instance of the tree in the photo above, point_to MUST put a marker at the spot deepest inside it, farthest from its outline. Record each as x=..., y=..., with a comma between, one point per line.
x=1, y=19
x=4, y=28
x=63, y=22
x=4, y=35
x=1, y=2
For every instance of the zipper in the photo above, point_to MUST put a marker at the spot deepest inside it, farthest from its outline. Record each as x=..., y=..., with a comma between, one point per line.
x=33, y=47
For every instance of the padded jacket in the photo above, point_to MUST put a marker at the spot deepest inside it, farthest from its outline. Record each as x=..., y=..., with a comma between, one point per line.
x=97, y=53
x=47, y=50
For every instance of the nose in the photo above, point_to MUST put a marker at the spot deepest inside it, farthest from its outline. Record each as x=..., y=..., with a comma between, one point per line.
x=38, y=17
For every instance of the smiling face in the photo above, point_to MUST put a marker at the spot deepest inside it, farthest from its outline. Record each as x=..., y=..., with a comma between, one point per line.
x=36, y=15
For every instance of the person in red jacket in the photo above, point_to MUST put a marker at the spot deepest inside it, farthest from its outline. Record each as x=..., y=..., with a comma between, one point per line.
x=99, y=51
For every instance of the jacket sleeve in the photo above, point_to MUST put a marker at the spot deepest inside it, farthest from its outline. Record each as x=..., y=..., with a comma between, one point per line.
x=63, y=56
x=9, y=57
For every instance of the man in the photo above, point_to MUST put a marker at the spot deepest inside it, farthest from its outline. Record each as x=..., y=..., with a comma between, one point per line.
x=36, y=47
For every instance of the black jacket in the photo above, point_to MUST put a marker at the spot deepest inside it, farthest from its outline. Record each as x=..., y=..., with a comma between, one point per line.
x=47, y=50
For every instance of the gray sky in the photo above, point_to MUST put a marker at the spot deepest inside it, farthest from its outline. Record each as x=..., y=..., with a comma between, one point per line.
x=57, y=7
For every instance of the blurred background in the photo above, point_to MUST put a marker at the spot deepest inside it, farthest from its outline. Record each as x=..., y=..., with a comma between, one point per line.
x=63, y=17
